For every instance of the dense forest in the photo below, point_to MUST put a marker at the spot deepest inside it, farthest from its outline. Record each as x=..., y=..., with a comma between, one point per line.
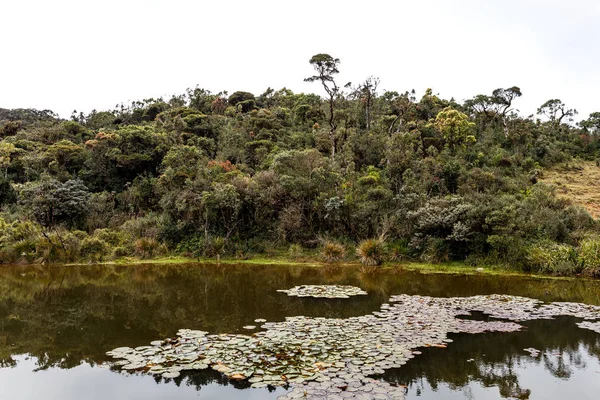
x=206, y=174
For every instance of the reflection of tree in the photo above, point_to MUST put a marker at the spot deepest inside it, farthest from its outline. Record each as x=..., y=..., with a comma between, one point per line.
x=496, y=357
x=7, y=362
x=70, y=315
x=65, y=316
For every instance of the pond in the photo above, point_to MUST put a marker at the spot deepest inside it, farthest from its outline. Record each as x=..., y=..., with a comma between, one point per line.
x=57, y=323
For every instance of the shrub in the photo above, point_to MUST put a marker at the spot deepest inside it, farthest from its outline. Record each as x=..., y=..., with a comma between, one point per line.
x=120, y=252
x=23, y=249
x=332, y=252
x=146, y=247
x=71, y=244
x=111, y=237
x=509, y=250
x=589, y=256
x=398, y=251
x=217, y=247
x=436, y=251
x=142, y=227
x=370, y=252
x=192, y=247
x=56, y=247
x=295, y=251
x=553, y=258
x=93, y=248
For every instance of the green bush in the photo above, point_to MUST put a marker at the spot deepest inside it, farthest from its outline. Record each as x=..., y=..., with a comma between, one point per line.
x=21, y=250
x=114, y=238
x=93, y=248
x=436, y=251
x=398, y=251
x=218, y=247
x=295, y=251
x=192, y=247
x=332, y=252
x=142, y=227
x=56, y=247
x=370, y=252
x=589, y=256
x=552, y=258
x=120, y=251
x=147, y=248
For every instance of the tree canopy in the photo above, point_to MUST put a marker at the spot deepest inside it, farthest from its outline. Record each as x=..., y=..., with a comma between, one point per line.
x=207, y=173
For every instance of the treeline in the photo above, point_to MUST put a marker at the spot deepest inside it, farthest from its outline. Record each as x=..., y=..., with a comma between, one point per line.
x=238, y=174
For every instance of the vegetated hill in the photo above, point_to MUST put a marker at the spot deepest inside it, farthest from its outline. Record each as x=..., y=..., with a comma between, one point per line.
x=238, y=174
x=578, y=181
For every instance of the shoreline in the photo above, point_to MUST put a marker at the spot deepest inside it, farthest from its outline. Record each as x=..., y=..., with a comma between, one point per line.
x=450, y=268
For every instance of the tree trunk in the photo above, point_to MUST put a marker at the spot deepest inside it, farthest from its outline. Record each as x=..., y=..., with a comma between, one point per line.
x=332, y=127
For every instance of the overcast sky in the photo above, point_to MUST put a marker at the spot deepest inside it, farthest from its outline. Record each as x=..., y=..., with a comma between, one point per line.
x=85, y=54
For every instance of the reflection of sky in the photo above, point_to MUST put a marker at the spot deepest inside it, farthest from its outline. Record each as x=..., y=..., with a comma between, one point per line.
x=85, y=382
x=583, y=384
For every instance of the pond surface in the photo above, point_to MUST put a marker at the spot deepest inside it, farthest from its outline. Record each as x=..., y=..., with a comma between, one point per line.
x=56, y=323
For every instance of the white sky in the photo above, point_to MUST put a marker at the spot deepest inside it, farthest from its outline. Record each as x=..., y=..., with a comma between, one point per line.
x=85, y=54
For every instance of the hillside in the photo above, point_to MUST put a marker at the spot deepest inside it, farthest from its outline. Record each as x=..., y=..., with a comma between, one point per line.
x=238, y=175
x=578, y=181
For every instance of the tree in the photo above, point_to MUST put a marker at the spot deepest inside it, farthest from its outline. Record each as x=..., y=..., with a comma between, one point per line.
x=455, y=127
x=222, y=205
x=10, y=128
x=6, y=150
x=244, y=100
x=592, y=124
x=555, y=110
x=326, y=67
x=53, y=203
x=366, y=93
x=503, y=99
x=398, y=108
x=482, y=107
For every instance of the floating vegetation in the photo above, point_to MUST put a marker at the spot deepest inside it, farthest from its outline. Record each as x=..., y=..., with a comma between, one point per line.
x=325, y=291
x=532, y=352
x=592, y=326
x=334, y=358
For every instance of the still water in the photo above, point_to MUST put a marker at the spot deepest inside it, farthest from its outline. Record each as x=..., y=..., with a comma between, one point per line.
x=56, y=323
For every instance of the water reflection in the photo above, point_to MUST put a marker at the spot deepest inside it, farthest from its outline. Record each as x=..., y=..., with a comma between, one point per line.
x=93, y=383
x=66, y=319
x=497, y=360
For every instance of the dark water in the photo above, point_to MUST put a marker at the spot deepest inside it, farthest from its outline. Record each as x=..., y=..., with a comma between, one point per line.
x=56, y=323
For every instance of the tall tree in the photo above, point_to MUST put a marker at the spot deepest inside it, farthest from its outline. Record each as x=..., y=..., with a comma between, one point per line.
x=326, y=67
x=366, y=93
x=592, y=124
x=482, y=108
x=556, y=111
x=455, y=127
x=503, y=98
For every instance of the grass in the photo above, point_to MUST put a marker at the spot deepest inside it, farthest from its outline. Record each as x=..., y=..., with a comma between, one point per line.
x=578, y=181
x=449, y=268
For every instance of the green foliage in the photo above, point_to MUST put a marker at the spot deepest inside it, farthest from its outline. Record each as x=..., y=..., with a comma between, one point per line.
x=589, y=255
x=332, y=252
x=370, y=252
x=120, y=251
x=553, y=258
x=52, y=202
x=112, y=237
x=455, y=127
x=295, y=251
x=280, y=170
x=148, y=248
x=217, y=247
x=398, y=251
x=93, y=248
